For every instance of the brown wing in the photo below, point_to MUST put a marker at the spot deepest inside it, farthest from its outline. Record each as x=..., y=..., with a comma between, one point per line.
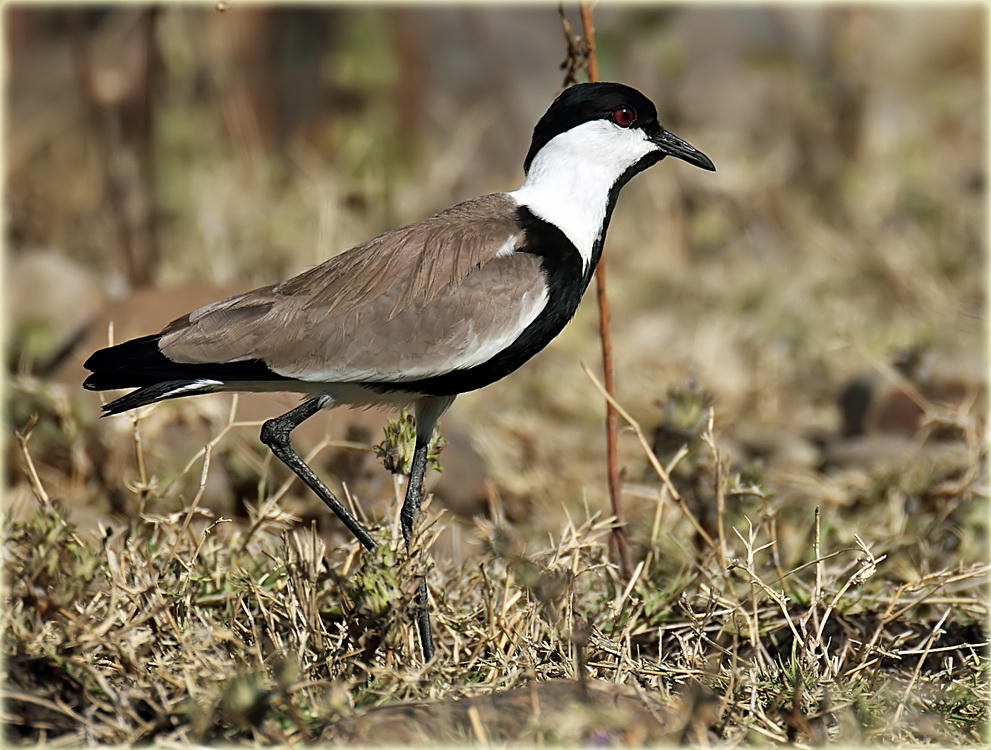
x=421, y=258
x=424, y=299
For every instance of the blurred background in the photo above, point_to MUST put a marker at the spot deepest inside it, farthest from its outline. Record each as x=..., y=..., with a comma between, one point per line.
x=822, y=292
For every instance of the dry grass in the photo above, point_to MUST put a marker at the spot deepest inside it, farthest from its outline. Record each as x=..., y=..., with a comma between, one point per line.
x=185, y=627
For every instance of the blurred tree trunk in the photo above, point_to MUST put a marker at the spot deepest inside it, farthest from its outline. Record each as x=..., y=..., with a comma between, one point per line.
x=240, y=43
x=116, y=64
x=829, y=134
x=411, y=83
x=22, y=26
x=142, y=135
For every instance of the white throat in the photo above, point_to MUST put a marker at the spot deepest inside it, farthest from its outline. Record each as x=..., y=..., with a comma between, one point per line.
x=570, y=178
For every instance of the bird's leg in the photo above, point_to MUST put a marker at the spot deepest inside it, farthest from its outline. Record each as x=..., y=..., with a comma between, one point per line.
x=427, y=412
x=275, y=434
x=411, y=508
x=414, y=490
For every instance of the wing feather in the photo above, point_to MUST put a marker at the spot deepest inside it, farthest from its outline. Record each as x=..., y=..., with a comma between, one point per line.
x=427, y=298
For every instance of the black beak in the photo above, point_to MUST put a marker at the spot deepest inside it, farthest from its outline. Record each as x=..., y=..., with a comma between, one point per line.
x=672, y=145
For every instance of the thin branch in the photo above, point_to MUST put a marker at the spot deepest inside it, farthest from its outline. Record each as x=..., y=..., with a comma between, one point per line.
x=583, y=55
x=588, y=31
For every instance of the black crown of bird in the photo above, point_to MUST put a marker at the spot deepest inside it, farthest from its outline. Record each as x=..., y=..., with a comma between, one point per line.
x=419, y=314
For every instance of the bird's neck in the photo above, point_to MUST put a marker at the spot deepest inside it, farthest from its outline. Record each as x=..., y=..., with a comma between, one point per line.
x=577, y=200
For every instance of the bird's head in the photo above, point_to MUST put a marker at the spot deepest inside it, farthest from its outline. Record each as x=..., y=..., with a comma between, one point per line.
x=607, y=125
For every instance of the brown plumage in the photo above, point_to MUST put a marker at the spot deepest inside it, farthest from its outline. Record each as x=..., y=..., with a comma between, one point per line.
x=421, y=299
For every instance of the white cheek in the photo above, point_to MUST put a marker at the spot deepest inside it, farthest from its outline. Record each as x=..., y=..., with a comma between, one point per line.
x=570, y=178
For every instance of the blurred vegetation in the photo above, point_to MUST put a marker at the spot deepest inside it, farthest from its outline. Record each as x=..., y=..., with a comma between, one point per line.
x=799, y=338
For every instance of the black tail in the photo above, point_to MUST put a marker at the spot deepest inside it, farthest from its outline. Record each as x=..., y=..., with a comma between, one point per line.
x=139, y=363
x=133, y=364
x=160, y=392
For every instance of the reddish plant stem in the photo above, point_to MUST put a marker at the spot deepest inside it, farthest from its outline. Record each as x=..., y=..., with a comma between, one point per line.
x=608, y=372
x=588, y=31
x=612, y=459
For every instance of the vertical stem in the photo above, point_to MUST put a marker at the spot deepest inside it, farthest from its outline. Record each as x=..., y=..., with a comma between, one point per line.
x=612, y=459
x=588, y=30
x=609, y=381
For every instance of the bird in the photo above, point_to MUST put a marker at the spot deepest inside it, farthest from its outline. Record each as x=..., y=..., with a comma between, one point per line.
x=417, y=315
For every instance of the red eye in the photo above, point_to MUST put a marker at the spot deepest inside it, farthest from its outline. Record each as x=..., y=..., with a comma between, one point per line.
x=624, y=117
